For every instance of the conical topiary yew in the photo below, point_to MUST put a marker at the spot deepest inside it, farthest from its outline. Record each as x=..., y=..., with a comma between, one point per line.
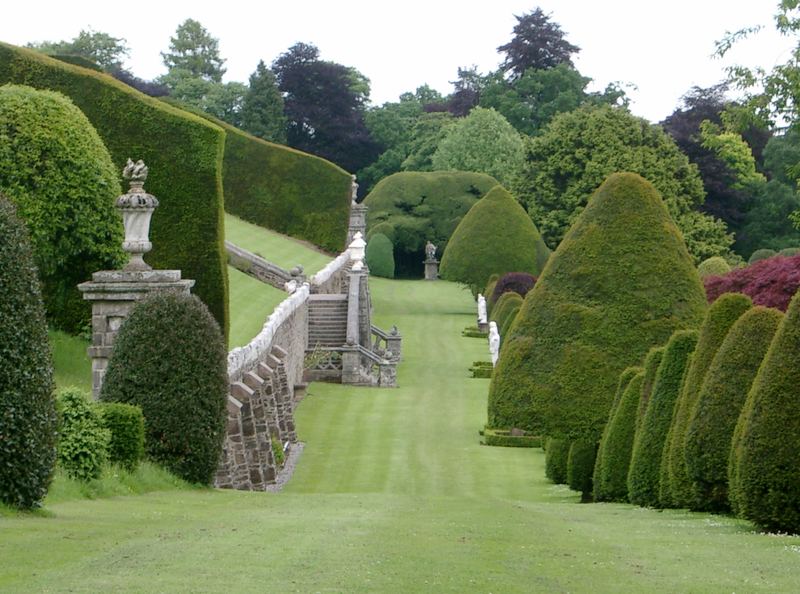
x=619, y=283
x=496, y=236
x=724, y=391
x=721, y=316
x=768, y=473
x=651, y=365
x=504, y=306
x=648, y=445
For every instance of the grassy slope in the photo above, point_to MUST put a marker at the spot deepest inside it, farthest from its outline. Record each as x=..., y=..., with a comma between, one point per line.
x=251, y=303
x=71, y=363
x=394, y=494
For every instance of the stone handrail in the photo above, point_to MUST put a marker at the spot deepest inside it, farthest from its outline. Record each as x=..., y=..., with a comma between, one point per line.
x=258, y=267
x=325, y=278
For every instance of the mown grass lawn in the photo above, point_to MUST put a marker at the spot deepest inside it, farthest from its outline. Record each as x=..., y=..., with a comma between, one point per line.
x=393, y=494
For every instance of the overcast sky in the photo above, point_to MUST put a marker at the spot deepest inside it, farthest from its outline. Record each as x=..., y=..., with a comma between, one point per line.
x=663, y=48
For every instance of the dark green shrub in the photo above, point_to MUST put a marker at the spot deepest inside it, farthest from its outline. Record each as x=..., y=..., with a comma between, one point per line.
x=651, y=364
x=125, y=422
x=620, y=283
x=82, y=439
x=768, y=473
x=504, y=438
x=57, y=171
x=648, y=445
x=555, y=460
x=510, y=317
x=495, y=236
x=383, y=228
x=761, y=254
x=503, y=307
x=719, y=404
x=380, y=256
x=624, y=379
x=721, y=316
x=580, y=464
x=169, y=358
x=714, y=266
x=790, y=251
x=489, y=291
x=183, y=152
x=27, y=408
x=421, y=207
x=612, y=471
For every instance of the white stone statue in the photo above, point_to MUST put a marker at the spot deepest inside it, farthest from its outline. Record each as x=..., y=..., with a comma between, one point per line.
x=353, y=189
x=430, y=251
x=481, y=309
x=494, y=342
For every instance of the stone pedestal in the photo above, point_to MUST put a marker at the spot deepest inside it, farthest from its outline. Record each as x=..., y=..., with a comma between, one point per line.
x=431, y=269
x=483, y=326
x=358, y=221
x=113, y=294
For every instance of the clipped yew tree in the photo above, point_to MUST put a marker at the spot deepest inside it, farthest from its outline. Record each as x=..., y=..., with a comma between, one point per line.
x=170, y=359
x=713, y=266
x=496, y=236
x=504, y=306
x=619, y=283
x=648, y=445
x=556, y=457
x=612, y=472
x=768, y=447
x=56, y=169
x=380, y=256
x=721, y=316
x=27, y=406
x=719, y=404
x=651, y=364
x=580, y=462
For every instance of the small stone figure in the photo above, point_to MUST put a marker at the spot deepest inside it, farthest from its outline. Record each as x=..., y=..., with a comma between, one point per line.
x=494, y=342
x=430, y=251
x=353, y=189
x=481, y=309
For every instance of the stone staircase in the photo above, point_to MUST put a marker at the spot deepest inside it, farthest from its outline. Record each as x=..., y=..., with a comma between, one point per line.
x=327, y=321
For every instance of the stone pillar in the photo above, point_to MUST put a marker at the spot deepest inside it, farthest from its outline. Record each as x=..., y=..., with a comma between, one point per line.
x=431, y=269
x=394, y=344
x=358, y=215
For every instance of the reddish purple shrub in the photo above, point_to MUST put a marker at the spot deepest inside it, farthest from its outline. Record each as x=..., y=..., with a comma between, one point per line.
x=519, y=282
x=771, y=282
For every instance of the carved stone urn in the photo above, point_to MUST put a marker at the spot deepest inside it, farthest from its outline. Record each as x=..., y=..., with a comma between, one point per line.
x=136, y=207
x=357, y=251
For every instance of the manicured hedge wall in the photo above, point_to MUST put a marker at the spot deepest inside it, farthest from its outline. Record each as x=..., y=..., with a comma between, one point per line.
x=556, y=457
x=502, y=309
x=724, y=391
x=284, y=189
x=183, y=152
x=721, y=316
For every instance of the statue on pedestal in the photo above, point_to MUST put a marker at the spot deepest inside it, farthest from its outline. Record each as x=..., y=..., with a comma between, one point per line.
x=430, y=251
x=481, y=309
x=494, y=342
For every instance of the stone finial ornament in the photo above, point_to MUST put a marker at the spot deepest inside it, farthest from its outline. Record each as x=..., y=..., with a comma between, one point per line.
x=137, y=208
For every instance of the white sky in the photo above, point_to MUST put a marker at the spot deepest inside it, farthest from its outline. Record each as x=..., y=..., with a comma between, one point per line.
x=662, y=47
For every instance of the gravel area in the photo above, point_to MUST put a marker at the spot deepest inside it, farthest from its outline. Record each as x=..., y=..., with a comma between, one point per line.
x=285, y=473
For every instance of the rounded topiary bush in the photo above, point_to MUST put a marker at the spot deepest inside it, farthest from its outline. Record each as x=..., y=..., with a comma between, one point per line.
x=509, y=321
x=82, y=439
x=612, y=472
x=761, y=254
x=771, y=282
x=125, y=422
x=721, y=316
x=619, y=283
x=383, y=229
x=27, y=408
x=714, y=266
x=651, y=364
x=380, y=256
x=495, y=236
x=790, y=251
x=503, y=308
x=580, y=463
x=58, y=172
x=170, y=359
x=517, y=282
x=648, y=445
x=556, y=457
x=719, y=404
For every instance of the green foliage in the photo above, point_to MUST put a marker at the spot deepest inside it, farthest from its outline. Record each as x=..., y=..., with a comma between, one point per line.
x=193, y=50
x=82, y=439
x=732, y=149
x=488, y=293
x=183, y=152
x=495, y=236
x=721, y=316
x=710, y=429
x=538, y=43
x=125, y=423
x=95, y=46
x=483, y=142
x=262, y=107
x=580, y=464
x=220, y=100
x=611, y=482
x=169, y=358
x=428, y=131
x=421, y=207
x=651, y=365
x=761, y=254
x=648, y=446
x=714, y=266
x=503, y=308
x=504, y=438
x=54, y=167
x=576, y=152
x=380, y=256
x=509, y=321
x=277, y=451
x=556, y=458
x=790, y=251
x=620, y=283
x=27, y=410
x=768, y=448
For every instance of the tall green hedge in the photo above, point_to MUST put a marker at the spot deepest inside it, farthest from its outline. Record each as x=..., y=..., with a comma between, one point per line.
x=651, y=364
x=27, y=407
x=184, y=154
x=495, y=236
x=719, y=404
x=556, y=457
x=283, y=189
x=648, y=445
x=511, y=315
x=612, y=472
x=580, y=462
x=502, y=309
x=619, y=283
x=768, y=483
x=721, y=316
x=57, y=171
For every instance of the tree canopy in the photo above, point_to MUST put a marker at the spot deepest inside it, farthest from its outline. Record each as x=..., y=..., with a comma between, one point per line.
x=101, y=48
x=262, y=106
x=194, y=50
